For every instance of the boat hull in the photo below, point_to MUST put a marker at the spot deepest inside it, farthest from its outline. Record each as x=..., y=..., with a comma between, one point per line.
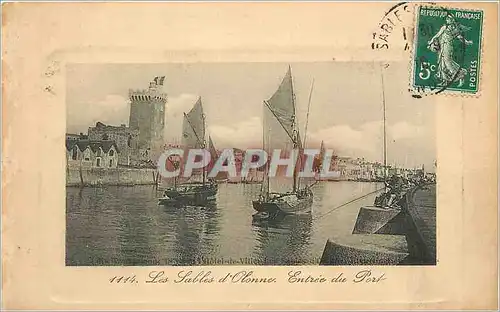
x=199, y=195
x=273, y=208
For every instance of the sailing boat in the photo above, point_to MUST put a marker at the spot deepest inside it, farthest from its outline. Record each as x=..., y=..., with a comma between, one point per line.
x=193, y=137
x=319, y=176
x=253, y=177
x=383, y=201
x=280, y=109
x=214, y=155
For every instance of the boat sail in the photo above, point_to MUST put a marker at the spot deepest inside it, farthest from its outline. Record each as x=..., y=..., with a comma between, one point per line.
x=320, y=176
x=280, y=130
x=193, y=137
x=214, y=155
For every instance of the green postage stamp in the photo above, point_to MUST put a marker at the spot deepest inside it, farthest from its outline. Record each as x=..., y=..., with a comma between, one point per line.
x=447, y=50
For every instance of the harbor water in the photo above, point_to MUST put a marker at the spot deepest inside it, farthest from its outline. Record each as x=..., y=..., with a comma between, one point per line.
x=117, y=225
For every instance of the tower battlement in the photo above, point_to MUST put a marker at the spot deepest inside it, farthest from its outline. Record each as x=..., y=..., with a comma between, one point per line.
x=146, y=95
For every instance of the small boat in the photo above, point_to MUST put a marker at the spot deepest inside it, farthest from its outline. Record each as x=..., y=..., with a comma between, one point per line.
x=193, y=136
x=234, y=180
x=253, y=179
x=191, y=193
x=261, y=216
x=278, y=205
x=280, y=109
x=319, y=164
x=251, y=182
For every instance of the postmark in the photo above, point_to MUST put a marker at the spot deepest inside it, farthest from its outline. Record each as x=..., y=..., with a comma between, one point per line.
x=447, y=51
x=393, y=27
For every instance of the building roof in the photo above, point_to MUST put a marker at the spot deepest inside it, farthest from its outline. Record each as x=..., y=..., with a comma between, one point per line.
x=101, y=127
x=93, y=144
x=75, y=136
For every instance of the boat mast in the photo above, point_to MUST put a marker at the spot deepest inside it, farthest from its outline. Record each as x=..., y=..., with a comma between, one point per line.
x=307, y=115
x=385, y=136
x=177, y=176
x=295, y=138
x=307, y=123
x=267, y=190
x=204, y=145
x=264, y=187
x=203, y=142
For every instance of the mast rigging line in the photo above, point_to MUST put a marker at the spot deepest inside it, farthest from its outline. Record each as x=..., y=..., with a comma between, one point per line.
x=279, y=121
x=385, y=134
x=202, y=143
x=347, y=203
x=307, y=115
x=305, y=130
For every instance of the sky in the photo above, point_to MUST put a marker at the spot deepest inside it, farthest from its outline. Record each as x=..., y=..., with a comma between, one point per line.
x=346, y=105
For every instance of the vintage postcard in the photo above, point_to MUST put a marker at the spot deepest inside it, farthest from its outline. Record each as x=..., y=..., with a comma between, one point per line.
x=280, y=209
x=250, y=156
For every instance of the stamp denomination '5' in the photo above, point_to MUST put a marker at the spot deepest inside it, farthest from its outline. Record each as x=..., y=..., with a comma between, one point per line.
x=447, y=50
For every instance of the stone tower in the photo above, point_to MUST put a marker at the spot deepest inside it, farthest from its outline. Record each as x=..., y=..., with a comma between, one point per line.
x=147, y=115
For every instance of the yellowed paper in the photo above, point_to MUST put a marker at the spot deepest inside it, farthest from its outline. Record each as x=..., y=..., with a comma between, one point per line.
x=67, y=66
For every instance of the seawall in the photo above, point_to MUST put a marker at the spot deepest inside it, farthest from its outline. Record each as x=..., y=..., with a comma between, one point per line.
x=110, y=176
x=390, y=237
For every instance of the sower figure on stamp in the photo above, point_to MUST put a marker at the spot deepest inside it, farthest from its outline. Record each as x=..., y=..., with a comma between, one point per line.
x=449, y=70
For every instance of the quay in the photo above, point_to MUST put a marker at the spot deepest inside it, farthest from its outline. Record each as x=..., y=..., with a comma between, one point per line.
x=119, y=176
x=389, y=236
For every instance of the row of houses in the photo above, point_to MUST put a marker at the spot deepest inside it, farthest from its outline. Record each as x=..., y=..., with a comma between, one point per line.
x=122, y=141
x=82, y=152
x=87, y=151
x=358, y=169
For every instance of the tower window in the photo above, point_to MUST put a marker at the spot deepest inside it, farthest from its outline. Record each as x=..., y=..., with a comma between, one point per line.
x=74, y=153
x=111, y=163
x=111, y=152
x=98, y=162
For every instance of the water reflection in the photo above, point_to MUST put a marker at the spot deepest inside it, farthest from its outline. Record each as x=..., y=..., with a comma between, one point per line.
x=284, y=241
x=126, y=226
x=196, y=229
